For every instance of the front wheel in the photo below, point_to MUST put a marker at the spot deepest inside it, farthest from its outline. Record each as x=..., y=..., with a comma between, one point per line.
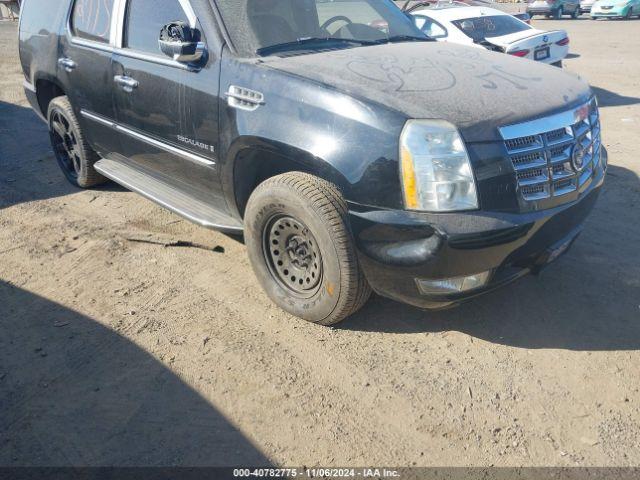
x=557, y=15
x=302, y=250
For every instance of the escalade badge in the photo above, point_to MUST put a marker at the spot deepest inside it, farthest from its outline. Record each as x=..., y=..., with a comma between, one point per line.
x=577, y=157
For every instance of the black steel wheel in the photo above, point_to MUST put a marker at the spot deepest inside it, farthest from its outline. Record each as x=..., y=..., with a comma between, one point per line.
x=293, y=255
x=302, y=250
x=74, y=155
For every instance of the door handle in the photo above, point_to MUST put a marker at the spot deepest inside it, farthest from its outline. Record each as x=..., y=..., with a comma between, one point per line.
x=68, y=64
x=128, y=84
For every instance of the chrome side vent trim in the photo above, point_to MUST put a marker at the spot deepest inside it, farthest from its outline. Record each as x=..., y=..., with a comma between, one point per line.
x=244, y=99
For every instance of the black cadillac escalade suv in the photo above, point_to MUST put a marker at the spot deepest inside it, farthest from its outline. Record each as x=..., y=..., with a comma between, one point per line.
x=352, y=152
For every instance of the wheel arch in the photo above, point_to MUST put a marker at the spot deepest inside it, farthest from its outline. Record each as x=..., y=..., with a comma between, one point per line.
x=253, y=160
x=47, y=88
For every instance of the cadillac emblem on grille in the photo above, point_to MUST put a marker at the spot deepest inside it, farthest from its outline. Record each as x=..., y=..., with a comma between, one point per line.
x=578, y=156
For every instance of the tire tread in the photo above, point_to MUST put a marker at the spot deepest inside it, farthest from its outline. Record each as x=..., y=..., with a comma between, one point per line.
x=327, y=200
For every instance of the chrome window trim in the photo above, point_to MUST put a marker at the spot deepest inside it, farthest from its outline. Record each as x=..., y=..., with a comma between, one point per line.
x=116, y=36
x=129, y=53
x=190, y=12
x=151, y=141
x=83, y=42
x=116, y=25
x=118, y=41
x=542, y=125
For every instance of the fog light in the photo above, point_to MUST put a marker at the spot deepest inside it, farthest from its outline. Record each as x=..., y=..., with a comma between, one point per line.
x=452, y=285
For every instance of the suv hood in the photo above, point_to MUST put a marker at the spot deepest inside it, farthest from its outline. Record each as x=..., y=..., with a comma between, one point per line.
x=476, y=90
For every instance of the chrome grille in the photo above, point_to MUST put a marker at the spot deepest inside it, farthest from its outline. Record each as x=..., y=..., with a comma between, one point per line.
x=542, y=152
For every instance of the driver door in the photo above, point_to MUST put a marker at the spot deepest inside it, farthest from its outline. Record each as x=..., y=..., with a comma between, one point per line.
x=153, y=100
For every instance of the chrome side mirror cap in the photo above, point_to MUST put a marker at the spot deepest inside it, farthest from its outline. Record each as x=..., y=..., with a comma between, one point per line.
x=180, y=42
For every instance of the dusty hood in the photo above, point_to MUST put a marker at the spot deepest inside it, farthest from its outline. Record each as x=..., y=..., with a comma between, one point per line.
x=476, y=90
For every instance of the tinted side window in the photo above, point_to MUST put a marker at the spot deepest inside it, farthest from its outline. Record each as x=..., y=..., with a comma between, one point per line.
x=145, y=19
x=91, y=19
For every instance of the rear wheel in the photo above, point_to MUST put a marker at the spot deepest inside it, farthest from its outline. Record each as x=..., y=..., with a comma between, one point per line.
x=73, y=153
x=302, y=250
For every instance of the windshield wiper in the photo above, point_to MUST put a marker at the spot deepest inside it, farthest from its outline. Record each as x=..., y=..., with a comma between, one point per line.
x=307, y=42
x=405, y=38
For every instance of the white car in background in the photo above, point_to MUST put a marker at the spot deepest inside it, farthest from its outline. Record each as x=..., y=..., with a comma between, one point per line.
x=492, y=29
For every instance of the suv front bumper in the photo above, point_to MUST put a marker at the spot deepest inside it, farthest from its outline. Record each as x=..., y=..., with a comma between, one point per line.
x=398, y=248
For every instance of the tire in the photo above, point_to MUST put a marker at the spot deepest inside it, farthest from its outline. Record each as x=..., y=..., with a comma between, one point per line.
x=74, y=155
x=557, y=15
x=293, y=220
x=576, y=13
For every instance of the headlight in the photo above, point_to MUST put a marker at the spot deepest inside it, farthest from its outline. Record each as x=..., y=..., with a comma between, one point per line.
x=435, y=168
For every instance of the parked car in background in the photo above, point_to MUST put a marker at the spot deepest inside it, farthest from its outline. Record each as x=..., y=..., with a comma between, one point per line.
x=615, y=9
x=585, y=5
x=411, y=5
x=554, y=8
x=494, y=30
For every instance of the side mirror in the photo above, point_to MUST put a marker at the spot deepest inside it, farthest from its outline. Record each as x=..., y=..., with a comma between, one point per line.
x=180, y=42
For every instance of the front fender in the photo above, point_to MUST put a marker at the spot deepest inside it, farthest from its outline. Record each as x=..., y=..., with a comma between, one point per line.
x=337, y=136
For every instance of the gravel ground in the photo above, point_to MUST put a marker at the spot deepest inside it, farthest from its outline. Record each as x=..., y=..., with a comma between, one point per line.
x=120, y=348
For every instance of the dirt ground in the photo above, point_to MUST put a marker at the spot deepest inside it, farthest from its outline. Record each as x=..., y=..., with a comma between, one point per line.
x=115, y=351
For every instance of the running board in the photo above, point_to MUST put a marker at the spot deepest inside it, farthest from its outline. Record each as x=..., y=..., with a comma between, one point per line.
x=167, y=196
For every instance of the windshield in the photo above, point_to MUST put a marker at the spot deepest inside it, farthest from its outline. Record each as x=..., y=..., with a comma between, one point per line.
x=257, y=25
x=480, y=28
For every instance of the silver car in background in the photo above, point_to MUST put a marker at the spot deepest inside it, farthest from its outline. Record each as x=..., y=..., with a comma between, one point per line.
x=585, y=5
